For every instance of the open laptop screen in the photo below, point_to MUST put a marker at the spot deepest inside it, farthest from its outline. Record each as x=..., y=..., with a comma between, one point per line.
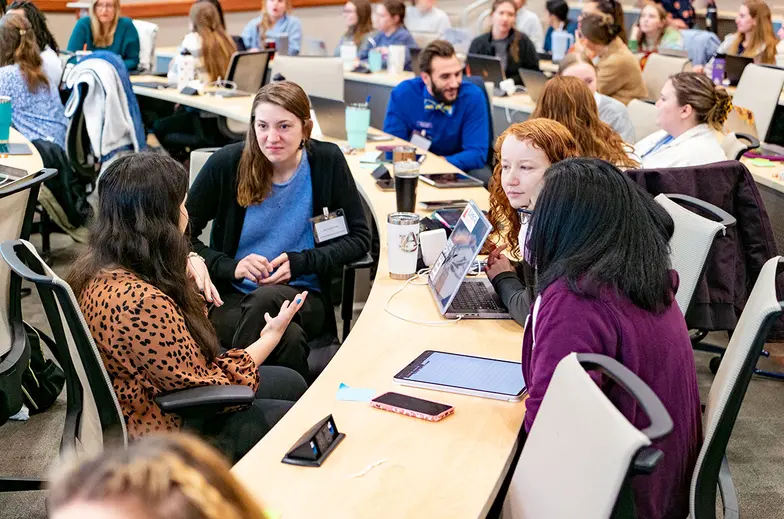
x=458, y=255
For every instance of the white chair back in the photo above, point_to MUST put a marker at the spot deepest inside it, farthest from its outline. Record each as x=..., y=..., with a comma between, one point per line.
x=689, y=247
x=732, y=146
x=730, y=384
x=578, y=452
x=758, y=90
x=148, y=33
x=318, y=76
x=423, y=39
x=658, y=70
x=12, y=209
x=198, y=159
x=643, y=117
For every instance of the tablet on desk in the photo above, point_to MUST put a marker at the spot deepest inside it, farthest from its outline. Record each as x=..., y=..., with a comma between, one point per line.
x=450, y=180
x=15, y=148
x=465, y=374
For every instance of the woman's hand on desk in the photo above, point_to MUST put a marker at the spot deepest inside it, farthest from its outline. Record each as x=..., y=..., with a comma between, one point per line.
x=197, y=270
x=497, y=262
x=282, y=269
x=253, y=268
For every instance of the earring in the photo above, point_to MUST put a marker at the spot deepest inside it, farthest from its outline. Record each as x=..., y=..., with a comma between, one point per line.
x=301, y=144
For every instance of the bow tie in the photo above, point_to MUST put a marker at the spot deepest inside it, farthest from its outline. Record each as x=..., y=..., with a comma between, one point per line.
x=431, y=104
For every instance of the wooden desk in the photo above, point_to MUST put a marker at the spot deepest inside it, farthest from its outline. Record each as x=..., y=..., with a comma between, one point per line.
x=447, y=469
x=772, y=192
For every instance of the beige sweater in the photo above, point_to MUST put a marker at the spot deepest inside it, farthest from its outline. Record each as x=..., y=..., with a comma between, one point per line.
x=618, y=73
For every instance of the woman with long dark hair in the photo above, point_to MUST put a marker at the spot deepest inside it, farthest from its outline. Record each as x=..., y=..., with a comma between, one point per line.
x=150, y=323
x=600, y=246
x=515, y=49
x=262, y=196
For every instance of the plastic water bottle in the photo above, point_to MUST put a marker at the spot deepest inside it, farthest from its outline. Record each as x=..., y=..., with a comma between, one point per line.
x=186, y=70
x=711, y=17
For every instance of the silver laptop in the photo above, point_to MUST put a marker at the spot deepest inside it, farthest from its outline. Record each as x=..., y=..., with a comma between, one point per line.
x=534, y=82
x=455, y=295
x=331, y=116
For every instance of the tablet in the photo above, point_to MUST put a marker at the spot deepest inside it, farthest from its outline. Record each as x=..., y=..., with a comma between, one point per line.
x=9, y=175
x=465, y=374
x=450, y=180
x=15, y=148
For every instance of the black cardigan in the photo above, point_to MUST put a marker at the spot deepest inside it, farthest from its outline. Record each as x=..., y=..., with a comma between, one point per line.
x=529, y=59
x=213, y=196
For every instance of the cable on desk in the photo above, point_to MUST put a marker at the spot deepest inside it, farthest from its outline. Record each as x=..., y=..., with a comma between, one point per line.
x=414, y=321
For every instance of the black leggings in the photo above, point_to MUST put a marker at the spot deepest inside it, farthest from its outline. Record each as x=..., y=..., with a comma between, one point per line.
x=185, y=130
x=236, y=433
x=241, y=318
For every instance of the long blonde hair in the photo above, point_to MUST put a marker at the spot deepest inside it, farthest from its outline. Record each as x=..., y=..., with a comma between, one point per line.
x=254, y=174
x=266, y=22
x=555, y=141
x=103, y=38
x=762, y=35
x=216, y=46
x=570, y=102
x=169, y=476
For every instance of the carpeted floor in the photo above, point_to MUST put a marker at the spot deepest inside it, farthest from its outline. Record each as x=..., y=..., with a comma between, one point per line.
x=756, y=450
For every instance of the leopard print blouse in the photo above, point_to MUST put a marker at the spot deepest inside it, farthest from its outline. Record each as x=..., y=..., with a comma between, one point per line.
x=147, y=349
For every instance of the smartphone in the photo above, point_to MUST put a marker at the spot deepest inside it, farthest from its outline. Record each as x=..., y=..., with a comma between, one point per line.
x=432, y=205
x=386, y=184
x=411, y=406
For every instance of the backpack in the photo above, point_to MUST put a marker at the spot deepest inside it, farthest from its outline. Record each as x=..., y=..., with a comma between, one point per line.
x=43, y=380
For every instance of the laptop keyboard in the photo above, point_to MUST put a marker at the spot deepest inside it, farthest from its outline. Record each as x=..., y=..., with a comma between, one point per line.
x=472, y=297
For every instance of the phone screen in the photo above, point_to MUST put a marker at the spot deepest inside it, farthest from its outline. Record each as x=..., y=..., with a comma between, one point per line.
x=412, y=404
x=386, y=184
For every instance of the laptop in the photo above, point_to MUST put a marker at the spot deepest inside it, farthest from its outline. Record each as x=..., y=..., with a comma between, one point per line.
x=734, y=67
x=489, y=68
x=455, y=295
x=534, y=82
x=774, y=140
x=331, y=116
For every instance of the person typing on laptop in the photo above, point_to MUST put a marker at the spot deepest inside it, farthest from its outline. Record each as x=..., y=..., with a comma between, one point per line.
x=523, y=153
x=443, y=109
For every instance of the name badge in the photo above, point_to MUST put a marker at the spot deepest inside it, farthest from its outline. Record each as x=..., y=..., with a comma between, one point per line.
x=420, y=141
x=329, y=226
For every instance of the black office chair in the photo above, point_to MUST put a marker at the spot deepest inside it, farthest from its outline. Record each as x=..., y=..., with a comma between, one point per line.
x=93, y=415
x=17, y=205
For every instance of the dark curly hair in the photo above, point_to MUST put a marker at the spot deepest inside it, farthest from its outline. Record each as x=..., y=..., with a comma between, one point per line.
x=37, y=19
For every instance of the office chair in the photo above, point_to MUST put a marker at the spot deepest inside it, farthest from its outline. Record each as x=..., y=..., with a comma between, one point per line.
x=581, y=451
x=17, y=205
x=148, y=33
x=643, y=117
x=758, y=90
x=735, y=145
x=93, y=415
x=248, y=69
x=658, y=69
x=692, y=240
x=726, y=396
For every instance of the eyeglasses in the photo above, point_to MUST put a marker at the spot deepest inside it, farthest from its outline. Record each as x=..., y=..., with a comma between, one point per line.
x=104, y=6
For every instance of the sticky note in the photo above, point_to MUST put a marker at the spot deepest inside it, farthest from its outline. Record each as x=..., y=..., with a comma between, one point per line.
x=762, y=163
x=369, y=157
x=355, y=394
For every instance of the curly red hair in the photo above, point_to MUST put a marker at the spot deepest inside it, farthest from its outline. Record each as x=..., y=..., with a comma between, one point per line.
x=557, y=144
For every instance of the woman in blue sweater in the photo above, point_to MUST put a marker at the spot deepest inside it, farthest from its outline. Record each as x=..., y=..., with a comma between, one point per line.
x=105, y=29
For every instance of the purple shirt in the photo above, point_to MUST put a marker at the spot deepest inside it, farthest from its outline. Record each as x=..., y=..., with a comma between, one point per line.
x=656, y=347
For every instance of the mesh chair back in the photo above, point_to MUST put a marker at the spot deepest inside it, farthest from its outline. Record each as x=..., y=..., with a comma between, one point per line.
x=94, y=416
x=730, y=384
x=198, y=159
x=248, y=69
x=577, y=454
x=689, y=247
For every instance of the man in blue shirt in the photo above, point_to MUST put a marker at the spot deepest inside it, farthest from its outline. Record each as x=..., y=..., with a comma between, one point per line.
x=440, y=106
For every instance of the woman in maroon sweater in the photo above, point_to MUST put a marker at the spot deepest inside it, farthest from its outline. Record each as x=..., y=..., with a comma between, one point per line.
x=605, y=285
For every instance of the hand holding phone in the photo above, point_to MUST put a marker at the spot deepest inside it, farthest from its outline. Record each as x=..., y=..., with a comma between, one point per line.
x=412, y=406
